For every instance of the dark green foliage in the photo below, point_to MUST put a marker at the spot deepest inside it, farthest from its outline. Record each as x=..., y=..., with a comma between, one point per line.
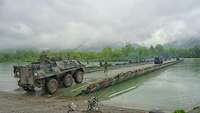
x=124, y=53
x=179, y=111
x=19, y=56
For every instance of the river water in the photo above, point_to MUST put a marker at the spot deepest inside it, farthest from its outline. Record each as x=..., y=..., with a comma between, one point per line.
x=7, y=81
x=175, y=87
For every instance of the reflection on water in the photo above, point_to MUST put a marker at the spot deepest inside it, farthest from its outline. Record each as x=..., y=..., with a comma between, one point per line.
x=175, y=87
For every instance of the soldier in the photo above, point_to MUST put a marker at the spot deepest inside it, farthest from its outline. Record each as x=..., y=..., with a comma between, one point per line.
x=130, y=61
x=87, y=61
x=93, y=104
x=71, y=107
x=43, y=56
x=105, y=67
x=100, y=63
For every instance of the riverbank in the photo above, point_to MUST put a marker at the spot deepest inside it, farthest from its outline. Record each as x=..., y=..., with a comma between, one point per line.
x=24, y=103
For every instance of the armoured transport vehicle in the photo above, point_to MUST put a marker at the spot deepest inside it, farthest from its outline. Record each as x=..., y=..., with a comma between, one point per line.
x=158, y=60
x=49, y=74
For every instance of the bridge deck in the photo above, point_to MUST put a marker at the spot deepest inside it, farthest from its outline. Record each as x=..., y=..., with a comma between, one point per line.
x=93, y=77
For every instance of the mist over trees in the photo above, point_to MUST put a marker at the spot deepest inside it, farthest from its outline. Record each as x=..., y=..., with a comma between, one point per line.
x=125, y=53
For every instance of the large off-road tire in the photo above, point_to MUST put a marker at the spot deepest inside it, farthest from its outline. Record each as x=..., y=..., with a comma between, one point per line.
x=29, y=90
x=78, y=77
x=19, y=83
x=67, y=80
x=52, y=86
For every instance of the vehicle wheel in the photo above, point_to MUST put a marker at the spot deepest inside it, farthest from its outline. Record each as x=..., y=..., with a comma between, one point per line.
x=68, y=80
x=78, y=77
x=52, y=86
x=28, y=89
x=19, y=83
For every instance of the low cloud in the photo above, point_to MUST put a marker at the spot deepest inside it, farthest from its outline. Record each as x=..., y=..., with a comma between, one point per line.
x=68, y=24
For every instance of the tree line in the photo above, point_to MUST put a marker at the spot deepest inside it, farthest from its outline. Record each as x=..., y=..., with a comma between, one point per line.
x=124, y=53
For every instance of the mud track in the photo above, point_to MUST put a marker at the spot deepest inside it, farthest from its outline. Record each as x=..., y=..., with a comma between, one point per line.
x=26, y=103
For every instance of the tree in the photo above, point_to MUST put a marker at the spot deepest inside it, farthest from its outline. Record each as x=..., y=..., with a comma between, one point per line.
x=106, y=53
x=159, y=49
x=143, y=52
x=152, y=51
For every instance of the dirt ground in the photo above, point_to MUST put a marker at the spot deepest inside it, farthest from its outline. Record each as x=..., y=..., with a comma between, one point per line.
x=26, y=103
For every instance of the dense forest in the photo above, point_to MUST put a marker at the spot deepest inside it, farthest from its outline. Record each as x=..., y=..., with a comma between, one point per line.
x=124, y=53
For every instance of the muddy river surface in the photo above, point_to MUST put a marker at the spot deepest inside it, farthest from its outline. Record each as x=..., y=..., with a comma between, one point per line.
x=175, y=87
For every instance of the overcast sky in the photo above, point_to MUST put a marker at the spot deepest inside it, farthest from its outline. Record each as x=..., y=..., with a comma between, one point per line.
x=66, y=24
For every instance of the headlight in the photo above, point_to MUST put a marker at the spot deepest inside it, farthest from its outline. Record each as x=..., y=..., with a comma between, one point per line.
x=17, y=73
x=35, y=74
